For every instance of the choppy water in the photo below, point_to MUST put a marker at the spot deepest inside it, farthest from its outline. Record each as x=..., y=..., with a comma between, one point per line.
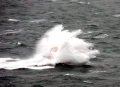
x=26, y=21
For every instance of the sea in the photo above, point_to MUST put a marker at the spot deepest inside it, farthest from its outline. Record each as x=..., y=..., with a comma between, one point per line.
x=24, y=22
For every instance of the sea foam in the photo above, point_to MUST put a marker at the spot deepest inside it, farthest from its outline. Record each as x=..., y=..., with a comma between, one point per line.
x=55, y=46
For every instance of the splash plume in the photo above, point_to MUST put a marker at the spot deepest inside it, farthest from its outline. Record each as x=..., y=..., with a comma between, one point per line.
x=56, y=46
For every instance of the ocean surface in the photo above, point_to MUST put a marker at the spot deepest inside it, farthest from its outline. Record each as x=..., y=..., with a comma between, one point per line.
x=23, y=22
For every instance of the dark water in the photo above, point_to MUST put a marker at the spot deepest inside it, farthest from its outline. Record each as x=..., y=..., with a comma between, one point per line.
x=34, y=17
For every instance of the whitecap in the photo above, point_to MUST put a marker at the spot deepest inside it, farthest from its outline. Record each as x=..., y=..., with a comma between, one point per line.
x=89, y=32
x=101, y=36
x=81, y=2
x=13, y=20
x=11, y=32
x=117, y=15
x=97, y=71
x=38, y=21
x=69, y=74
x=96, y=13
x=87, y=82
x=88, y=3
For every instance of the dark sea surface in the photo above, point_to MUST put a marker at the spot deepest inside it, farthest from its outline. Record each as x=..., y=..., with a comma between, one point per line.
x=25, y=21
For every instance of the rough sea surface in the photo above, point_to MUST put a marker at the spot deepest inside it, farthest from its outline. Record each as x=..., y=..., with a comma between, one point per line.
x=23, y=22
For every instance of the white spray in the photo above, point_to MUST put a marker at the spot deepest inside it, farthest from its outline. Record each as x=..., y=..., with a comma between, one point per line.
x=55, y=46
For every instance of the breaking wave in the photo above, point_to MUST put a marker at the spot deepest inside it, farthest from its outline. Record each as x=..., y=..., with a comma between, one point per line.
x=55, y=46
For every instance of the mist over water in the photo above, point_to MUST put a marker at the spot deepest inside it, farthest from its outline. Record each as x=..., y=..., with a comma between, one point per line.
x=29, y=58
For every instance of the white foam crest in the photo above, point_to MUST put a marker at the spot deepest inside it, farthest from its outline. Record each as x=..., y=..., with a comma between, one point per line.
x=101, y=36
x=38, y=21
x=117, y=15
x=55, y=46
x=13, y=20
x=80, y=2
x=11, y=32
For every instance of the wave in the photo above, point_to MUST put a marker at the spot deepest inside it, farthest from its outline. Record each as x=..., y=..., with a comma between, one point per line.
x=55, y=46
x=13, y=20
